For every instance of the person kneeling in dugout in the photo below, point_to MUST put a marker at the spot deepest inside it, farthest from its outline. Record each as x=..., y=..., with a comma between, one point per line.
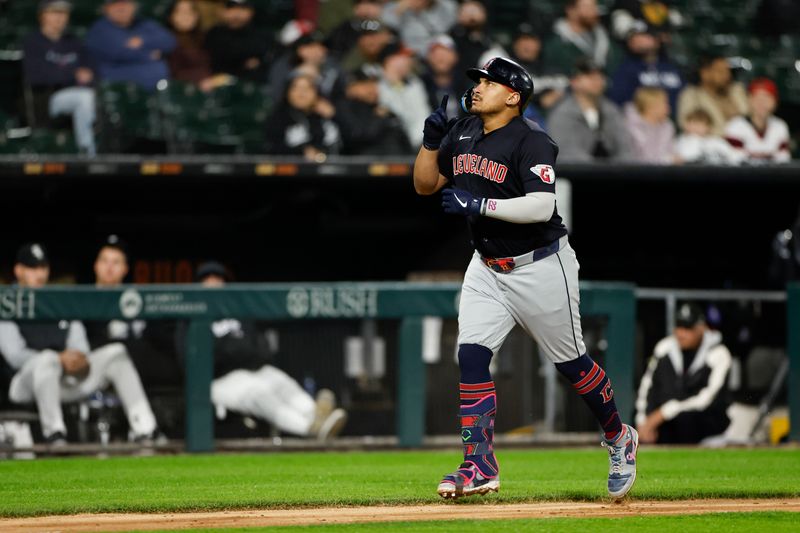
x=683, y=396
x=245, y=383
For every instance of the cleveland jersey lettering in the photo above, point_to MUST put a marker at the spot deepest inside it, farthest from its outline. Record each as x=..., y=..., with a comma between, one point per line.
x=480, y=166
x=509, y=162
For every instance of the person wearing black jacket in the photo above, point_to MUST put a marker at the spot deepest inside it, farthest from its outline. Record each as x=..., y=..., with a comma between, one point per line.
x=236, y=46
x=245, y=382
x=367, y=127
x=683, y=396
x=303, y=123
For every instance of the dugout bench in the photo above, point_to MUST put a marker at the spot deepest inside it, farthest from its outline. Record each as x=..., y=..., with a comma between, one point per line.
x=408, y=302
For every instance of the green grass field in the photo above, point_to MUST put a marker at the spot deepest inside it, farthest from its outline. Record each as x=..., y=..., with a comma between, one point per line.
x=284, y=480
x=729, y=523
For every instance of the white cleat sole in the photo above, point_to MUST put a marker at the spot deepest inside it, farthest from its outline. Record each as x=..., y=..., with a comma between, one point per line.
x=448, y=491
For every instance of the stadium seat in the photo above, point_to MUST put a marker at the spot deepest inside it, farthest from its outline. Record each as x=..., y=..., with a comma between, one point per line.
x=39, y=141
x=126, y=113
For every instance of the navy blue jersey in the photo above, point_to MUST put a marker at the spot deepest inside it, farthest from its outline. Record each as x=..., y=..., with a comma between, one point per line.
x=508, y=162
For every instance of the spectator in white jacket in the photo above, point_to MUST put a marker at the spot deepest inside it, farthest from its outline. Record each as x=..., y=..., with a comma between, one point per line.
x=419, y=21
x=698, y=144
x=402, y=92
x=760, y=137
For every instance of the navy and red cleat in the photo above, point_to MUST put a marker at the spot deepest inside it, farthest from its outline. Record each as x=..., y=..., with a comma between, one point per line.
x=466, y=481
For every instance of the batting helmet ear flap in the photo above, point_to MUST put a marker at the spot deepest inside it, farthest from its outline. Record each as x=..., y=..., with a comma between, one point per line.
x=466, y=101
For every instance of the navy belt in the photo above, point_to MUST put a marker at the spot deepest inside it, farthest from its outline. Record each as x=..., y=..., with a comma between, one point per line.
x=504, y=265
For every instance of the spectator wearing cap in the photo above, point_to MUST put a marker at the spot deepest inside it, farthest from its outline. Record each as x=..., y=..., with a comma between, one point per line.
x=372, y=38
x=302, y=124
x=579, y=34
x=369, y=128
x=683, y=396
x=343, y=38
x=473, y=42
x=440, y=75
x=716, y=92
x=645, y=65
x=237, y=47
x=402, y=91
x=58, y=72
x=308, y=54
x=653, y=133
x=149, y=344
x=549, y=87
x=760, y=137
x=587, y=125
x=247, y=383
x=54, y=363
x=417, y=22
x=128, y=48
x=190, y=62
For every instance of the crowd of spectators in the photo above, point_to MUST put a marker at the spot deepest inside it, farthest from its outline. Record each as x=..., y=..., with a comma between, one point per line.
x=604, y=88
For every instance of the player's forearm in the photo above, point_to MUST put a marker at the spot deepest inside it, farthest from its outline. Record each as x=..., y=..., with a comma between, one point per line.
x=535, y=207
x=426, y=171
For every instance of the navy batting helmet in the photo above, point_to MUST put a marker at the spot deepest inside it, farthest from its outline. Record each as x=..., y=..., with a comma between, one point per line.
x=506, y=72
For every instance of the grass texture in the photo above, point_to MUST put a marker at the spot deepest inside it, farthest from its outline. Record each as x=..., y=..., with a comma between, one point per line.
x=285, y=480
x=771, y=522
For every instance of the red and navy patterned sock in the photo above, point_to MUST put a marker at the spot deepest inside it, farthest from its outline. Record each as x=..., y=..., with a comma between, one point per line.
x=591, y=382
x=478, y=400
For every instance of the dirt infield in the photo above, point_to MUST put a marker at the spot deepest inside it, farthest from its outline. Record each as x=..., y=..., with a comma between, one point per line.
x=352, y=515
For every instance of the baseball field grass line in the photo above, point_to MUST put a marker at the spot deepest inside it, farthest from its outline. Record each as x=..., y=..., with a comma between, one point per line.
x=292, y=480
x=768, y=522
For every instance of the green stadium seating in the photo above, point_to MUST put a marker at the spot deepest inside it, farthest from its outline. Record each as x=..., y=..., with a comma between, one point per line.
x=39, y=141
x=127, y=112
x=230, y=118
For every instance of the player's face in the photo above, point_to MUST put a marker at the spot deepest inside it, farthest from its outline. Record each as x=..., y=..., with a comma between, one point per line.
x=762, y=103
x=31, y=277
x=689, y=338
x=491, y=97
x=110, y=267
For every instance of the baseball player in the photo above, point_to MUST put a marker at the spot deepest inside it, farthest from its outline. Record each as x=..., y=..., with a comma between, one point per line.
x=245, y=382
x=498, y=168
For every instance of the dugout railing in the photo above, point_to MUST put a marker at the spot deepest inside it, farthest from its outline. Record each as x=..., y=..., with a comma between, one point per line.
x=407, y=302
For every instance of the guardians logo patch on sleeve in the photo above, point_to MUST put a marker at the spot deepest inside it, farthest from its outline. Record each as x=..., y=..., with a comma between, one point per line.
x=545, y=173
